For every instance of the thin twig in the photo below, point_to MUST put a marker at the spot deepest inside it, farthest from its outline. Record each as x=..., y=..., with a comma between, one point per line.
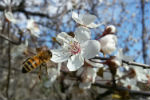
x=124, y=61
x=136, y=64
x=9, y=65
x=134, y=92
x=11, y=41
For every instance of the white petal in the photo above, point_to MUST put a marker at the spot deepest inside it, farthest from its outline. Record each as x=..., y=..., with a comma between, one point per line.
x=60, y=55
x=85, y=85
x=91, y=73
x=79, y=72
x=75, y=16
x=88, y=19
x=75, y=62
x=82, y=34
x=90, y=48
x=108, y=43
x=95, y=64
x=33, y=27
x=93, y=25
x=63, y=38
x=52, y=76
x=10, y=17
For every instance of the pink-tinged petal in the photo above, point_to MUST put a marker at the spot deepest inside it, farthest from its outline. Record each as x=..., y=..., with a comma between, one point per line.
x=82, y=34
x=90, y=49
x=75, y=62
x=60, y=55
x=88, y=19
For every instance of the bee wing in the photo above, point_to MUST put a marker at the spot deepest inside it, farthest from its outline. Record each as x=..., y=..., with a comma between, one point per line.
x=29, y=52
x=41, y=49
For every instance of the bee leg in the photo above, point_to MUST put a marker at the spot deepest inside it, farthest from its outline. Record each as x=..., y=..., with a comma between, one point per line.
x=39, y=74
x=46, y=70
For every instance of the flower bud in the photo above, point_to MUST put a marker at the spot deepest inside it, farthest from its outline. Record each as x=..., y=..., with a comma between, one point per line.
x=112, y=29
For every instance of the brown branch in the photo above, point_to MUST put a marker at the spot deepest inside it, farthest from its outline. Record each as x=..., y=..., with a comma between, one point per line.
x=22, y=10
x=133, y=92
x=9, y=64
x=144, y=47
x=127, y=62
x=11, y=41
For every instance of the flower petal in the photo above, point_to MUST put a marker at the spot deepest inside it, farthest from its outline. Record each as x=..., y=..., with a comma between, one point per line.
x=82, y=34
x=63, y=38
x=93, y=25
x=10, y=17
x=75, y=16
x=95, y=64
x=75, y=62
x=60, y=55
x=88, y=19
x=85, y=85
x=90, y=48
x=108, y=43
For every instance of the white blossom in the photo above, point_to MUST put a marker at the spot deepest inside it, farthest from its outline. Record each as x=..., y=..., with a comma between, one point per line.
x=140, y=74
x=53, y=73
x=86, y=20
x=88, y=76
x=108, y=44
x=75, y=50
x=10, y=17
x=33, y=27
x=130, y=83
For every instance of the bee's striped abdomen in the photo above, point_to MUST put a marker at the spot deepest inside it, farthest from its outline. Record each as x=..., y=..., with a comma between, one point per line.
x=30, y=64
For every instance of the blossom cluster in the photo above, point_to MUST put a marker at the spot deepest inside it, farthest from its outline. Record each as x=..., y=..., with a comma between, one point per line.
x=78, y=49
x=80, y=53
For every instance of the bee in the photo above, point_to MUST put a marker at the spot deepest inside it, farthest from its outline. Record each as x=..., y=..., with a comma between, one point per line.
x=41, y=58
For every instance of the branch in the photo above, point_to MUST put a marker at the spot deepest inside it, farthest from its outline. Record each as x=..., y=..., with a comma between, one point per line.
x=9, y=65
x=136, y=64
x=144, y=34
x=124, y=61
x=11, y=41
x=22, y=10
x=133, y=92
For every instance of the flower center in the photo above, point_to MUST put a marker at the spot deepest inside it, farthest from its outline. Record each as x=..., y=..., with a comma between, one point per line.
x=75, y=47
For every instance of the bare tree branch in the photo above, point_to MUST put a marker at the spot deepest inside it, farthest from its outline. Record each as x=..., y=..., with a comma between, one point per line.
x=134, y=92
x=144, y=47
x=124, y=61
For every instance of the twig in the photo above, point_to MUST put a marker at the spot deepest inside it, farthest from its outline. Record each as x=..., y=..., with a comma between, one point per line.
x=144, y=34
x=11, y=41
x=134, y=92
x=9, y=65
x=124, y=61
x=136, y=64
